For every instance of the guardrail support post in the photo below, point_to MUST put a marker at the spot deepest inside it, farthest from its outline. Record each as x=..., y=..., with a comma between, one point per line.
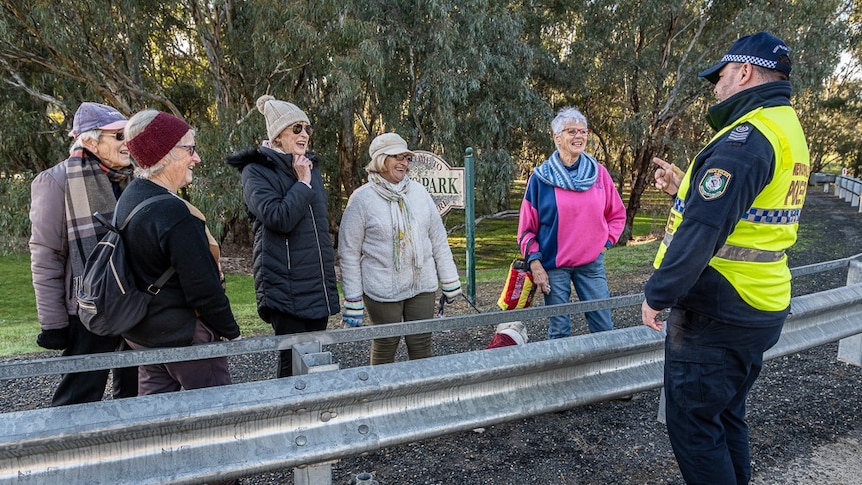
x=850, y=348
x=313, y=475
x=309, y=358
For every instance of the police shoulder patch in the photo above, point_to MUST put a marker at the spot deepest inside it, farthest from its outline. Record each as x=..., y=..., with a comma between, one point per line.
x=739, y=134
x=714, y=183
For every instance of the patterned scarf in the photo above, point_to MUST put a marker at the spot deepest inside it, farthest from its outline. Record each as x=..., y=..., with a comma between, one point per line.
x=402, y=231
x=89, y=188
x=554, y=173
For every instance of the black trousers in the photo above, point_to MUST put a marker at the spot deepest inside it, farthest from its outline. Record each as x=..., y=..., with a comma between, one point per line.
x=285, y=324
x=709, y=368
x=81, y=387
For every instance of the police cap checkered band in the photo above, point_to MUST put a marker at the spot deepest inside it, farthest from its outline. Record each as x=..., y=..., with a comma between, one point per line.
x=757, y=61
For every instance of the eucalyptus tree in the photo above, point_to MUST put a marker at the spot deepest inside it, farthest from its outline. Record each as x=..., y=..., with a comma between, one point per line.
x=632, y=66
x=54, y=55
x=455, y=74
x=832, y=119
x=445, y=74
x=831, y=112
x=250, y=49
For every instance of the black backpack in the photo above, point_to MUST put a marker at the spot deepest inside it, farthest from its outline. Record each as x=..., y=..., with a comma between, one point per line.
x=109, y=302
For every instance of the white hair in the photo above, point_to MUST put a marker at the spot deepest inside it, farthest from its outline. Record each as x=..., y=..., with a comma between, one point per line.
x=567, y=116
x=91, y=135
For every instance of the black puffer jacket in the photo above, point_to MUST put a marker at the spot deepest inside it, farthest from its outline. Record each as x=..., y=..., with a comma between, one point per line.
x=294, y=261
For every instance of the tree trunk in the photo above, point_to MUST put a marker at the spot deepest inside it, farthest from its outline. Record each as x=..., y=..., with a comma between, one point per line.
x=642, y=168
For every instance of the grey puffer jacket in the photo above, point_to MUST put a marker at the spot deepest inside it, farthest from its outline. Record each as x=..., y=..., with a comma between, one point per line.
x=293, y=255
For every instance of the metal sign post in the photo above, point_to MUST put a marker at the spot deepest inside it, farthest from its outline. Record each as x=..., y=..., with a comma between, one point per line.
x=470, y=224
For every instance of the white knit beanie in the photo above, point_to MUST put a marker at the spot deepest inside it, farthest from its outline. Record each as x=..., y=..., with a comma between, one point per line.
x=279, y=115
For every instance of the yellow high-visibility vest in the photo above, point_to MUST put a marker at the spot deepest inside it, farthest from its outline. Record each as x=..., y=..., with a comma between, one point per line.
x=753, y=258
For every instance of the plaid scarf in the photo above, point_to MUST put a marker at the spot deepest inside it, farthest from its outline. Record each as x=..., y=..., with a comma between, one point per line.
x=554, y=173
x=402, y=232
x=89, y=188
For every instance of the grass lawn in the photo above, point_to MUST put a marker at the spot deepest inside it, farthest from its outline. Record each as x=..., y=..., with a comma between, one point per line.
x=19, y=325
x=495, y=243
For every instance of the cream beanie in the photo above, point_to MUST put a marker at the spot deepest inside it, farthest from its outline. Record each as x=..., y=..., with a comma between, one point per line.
x=279, y=115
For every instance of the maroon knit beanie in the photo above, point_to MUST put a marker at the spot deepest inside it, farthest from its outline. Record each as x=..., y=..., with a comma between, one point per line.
x=158, y=138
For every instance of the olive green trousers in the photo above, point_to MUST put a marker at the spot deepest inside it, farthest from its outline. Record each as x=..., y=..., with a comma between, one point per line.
x=420, y=307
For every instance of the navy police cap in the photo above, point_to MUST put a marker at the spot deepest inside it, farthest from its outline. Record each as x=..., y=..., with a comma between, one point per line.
x=761, y=49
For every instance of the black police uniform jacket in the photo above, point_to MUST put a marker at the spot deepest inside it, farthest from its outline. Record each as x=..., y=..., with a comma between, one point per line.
x=685, y=279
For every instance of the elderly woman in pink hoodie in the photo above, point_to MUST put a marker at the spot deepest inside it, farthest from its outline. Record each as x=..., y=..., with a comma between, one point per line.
x=571, y=214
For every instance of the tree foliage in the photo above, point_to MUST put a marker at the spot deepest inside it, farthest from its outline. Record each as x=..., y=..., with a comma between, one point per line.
x=444, y=74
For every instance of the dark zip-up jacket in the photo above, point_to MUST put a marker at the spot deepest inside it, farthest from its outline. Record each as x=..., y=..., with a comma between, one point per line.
x=685, y=279
x=162, y=235
x=293, y=255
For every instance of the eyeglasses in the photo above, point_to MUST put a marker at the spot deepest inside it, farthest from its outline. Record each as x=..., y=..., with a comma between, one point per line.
x=118, y=135
x=577, y=131
x=189, y=148
x=400, y=157
x=297, y=129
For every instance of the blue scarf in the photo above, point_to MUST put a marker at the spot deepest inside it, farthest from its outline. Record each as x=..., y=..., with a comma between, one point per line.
x=554, y=173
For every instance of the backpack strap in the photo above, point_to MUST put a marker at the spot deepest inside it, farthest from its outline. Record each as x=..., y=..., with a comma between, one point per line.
x=156, y=287
x=141, y=205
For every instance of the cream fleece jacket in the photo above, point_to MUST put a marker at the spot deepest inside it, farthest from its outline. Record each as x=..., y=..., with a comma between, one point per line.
x=365, y=248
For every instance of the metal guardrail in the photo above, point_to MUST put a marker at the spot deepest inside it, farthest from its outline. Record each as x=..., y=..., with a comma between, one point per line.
x=79, y=363
x=847, y=188
x=821, y=178
x=242, y=429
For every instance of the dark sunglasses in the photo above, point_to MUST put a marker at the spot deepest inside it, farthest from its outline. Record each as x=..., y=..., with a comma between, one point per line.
x=297, y=129
x=118, y=135
x=400, y=157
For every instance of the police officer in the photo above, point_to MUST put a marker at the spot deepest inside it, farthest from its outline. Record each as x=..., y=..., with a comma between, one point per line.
x=722, y=267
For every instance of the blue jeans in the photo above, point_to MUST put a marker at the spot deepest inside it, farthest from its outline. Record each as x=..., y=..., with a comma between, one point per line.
x=709, y=368
x=590, y=284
